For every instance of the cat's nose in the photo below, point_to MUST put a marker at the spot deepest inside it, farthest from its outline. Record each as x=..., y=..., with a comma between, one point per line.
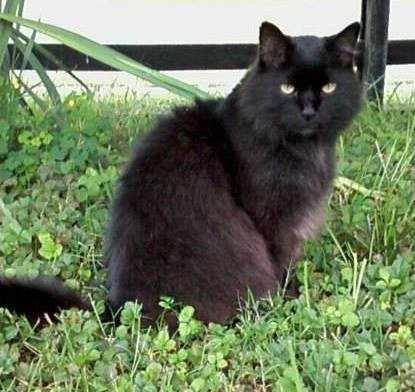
x=308, y=113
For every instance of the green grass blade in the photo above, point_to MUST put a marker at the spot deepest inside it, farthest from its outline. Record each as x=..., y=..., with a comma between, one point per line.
x=11, y=7
x=27, y=50
x=5, y=66
x=110, y=57
x=20, y=8
x=29, y=90
x=52, y=58
x=38, y=67
x=343, y=182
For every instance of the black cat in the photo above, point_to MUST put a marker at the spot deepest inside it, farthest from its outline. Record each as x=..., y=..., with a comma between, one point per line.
x=219, y=197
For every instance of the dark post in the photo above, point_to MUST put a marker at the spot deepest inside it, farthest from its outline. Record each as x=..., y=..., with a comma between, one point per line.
x=375, y=20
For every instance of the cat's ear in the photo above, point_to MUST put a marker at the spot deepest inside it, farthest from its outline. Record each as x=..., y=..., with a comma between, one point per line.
x=274, y=46
x=343, y=44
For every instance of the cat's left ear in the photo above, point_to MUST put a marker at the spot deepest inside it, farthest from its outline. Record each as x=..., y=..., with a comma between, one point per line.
x=343, y=44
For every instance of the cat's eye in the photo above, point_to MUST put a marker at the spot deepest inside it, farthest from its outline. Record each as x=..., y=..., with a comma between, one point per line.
x=329, y=88
x=287, y=88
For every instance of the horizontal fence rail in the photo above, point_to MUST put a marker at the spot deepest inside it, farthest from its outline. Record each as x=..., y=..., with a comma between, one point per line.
x=192, y=57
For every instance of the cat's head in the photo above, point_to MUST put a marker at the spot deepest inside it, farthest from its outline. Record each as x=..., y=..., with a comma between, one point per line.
x=301, y=86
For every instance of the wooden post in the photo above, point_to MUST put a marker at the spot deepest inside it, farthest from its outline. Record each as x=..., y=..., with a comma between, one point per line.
x=375, y=22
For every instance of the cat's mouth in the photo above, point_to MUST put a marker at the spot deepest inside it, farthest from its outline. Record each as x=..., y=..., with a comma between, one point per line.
x=309, y=129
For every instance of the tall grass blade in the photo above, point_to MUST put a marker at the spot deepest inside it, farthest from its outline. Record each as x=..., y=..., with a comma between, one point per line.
x=11, y=7
x=110, y=57
x=20, y=9
x=40, y=70
x=29, y=90
x=28, y=49
x=52, y=58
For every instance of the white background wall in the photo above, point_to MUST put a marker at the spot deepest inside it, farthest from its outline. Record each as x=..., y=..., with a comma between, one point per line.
x=202, y=21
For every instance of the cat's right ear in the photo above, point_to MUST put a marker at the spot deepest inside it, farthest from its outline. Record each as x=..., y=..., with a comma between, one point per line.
x=343, y=45
x=274, y=46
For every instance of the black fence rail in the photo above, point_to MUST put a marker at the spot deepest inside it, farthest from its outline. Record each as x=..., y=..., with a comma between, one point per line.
x=375, y=52
x=195, y=57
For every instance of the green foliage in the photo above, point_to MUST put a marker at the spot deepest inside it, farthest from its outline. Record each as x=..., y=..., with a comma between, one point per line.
x=33, y=149
x=352, y=327
x=49, y=248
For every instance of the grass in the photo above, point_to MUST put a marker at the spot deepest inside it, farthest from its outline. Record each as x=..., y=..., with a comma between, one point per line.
x=351, y=329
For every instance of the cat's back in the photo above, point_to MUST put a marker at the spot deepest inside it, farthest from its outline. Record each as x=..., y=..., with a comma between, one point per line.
x=179, y=142
x=178, y=170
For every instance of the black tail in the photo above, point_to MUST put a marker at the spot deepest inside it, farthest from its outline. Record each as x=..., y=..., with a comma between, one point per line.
x=38, y=297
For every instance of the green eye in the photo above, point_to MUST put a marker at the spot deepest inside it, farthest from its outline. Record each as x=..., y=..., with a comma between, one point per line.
x=329, y=88
x=287, y=88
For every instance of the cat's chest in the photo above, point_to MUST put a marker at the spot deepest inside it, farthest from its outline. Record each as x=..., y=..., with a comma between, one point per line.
x=282, y=193
x=283, y=176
